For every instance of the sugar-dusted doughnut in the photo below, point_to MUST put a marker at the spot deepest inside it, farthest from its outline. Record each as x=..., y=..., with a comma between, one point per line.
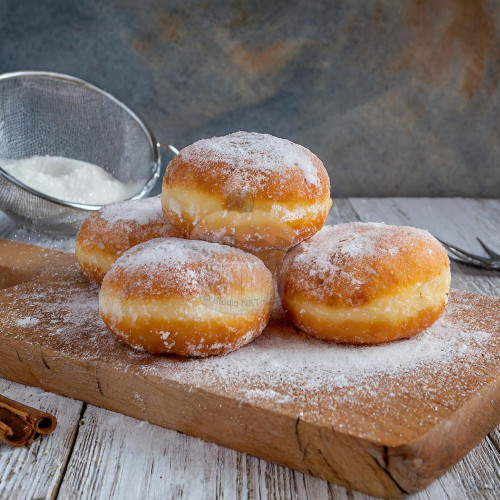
x=365, y=283
x=253, y=191
x=185, y=297
x=115, y=228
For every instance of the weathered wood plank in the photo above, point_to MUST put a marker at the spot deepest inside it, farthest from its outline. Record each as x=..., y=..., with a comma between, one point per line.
x=342, y=211
x=36, y=472
x=118, y=457
x=495, y=438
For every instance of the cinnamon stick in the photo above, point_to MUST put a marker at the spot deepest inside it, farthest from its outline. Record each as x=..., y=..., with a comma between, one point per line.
x=20, y=425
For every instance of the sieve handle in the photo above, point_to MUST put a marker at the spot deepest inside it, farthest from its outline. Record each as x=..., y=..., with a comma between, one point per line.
x=164, y=156
x=161, y=147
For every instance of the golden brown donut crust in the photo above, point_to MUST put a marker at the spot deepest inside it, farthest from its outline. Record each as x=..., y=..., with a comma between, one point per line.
x=189, y=298
x=265, y=184
x=360, y=278
x=225, y=175
x=115, y=228
x=349, y=331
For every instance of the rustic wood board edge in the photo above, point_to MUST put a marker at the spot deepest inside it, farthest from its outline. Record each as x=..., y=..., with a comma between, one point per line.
x=320, y=451
x=21, y=262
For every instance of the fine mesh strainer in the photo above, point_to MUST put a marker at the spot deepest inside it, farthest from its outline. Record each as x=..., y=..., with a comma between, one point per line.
x=44, y=113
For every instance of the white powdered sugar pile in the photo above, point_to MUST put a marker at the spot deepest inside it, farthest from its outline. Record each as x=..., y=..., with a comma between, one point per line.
x=255, y=155
x=26, y=321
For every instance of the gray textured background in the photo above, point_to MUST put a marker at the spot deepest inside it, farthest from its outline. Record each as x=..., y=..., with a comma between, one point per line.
x=396, y=97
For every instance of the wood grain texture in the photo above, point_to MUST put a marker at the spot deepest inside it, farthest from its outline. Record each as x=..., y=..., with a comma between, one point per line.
x=110, y=446
x=35, y=472
x=117, y=457
x=476, y=476
x=388, y=445
x=20, y=262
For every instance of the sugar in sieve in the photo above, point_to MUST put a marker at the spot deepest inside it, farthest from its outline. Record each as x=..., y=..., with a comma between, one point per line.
x=43, y=113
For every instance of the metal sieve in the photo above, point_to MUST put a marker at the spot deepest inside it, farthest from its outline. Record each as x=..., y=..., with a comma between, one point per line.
x=44, y=113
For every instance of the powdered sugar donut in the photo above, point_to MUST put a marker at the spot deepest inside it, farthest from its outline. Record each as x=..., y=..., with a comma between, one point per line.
x=365, y=283
x=115, y=228
x=253, y=191
x=185, y=297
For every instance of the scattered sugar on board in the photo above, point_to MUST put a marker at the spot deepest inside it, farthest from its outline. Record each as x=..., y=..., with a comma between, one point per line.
x=26, y=321
x=348, y=387
x=241, y=149
x=308, y=362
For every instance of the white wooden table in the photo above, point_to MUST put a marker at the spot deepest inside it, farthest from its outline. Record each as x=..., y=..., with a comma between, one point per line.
x=98, y=454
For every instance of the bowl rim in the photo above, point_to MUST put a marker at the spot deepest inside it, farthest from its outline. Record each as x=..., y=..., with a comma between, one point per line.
x=78, y=81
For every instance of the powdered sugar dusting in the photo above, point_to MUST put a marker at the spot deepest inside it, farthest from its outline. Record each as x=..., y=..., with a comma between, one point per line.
x=172, y=253
x=346, y=256
x=141, y=211
x=191, y=266
x=371, y=391
x=357, y=239
x=26, y=321
x=117, y=227
x=313, y=363
x=255, y=155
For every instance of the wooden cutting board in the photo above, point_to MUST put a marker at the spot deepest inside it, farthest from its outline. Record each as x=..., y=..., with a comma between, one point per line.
x=385, y=420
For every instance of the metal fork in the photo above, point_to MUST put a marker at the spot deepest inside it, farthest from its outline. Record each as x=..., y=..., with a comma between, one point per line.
x=457, y=254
